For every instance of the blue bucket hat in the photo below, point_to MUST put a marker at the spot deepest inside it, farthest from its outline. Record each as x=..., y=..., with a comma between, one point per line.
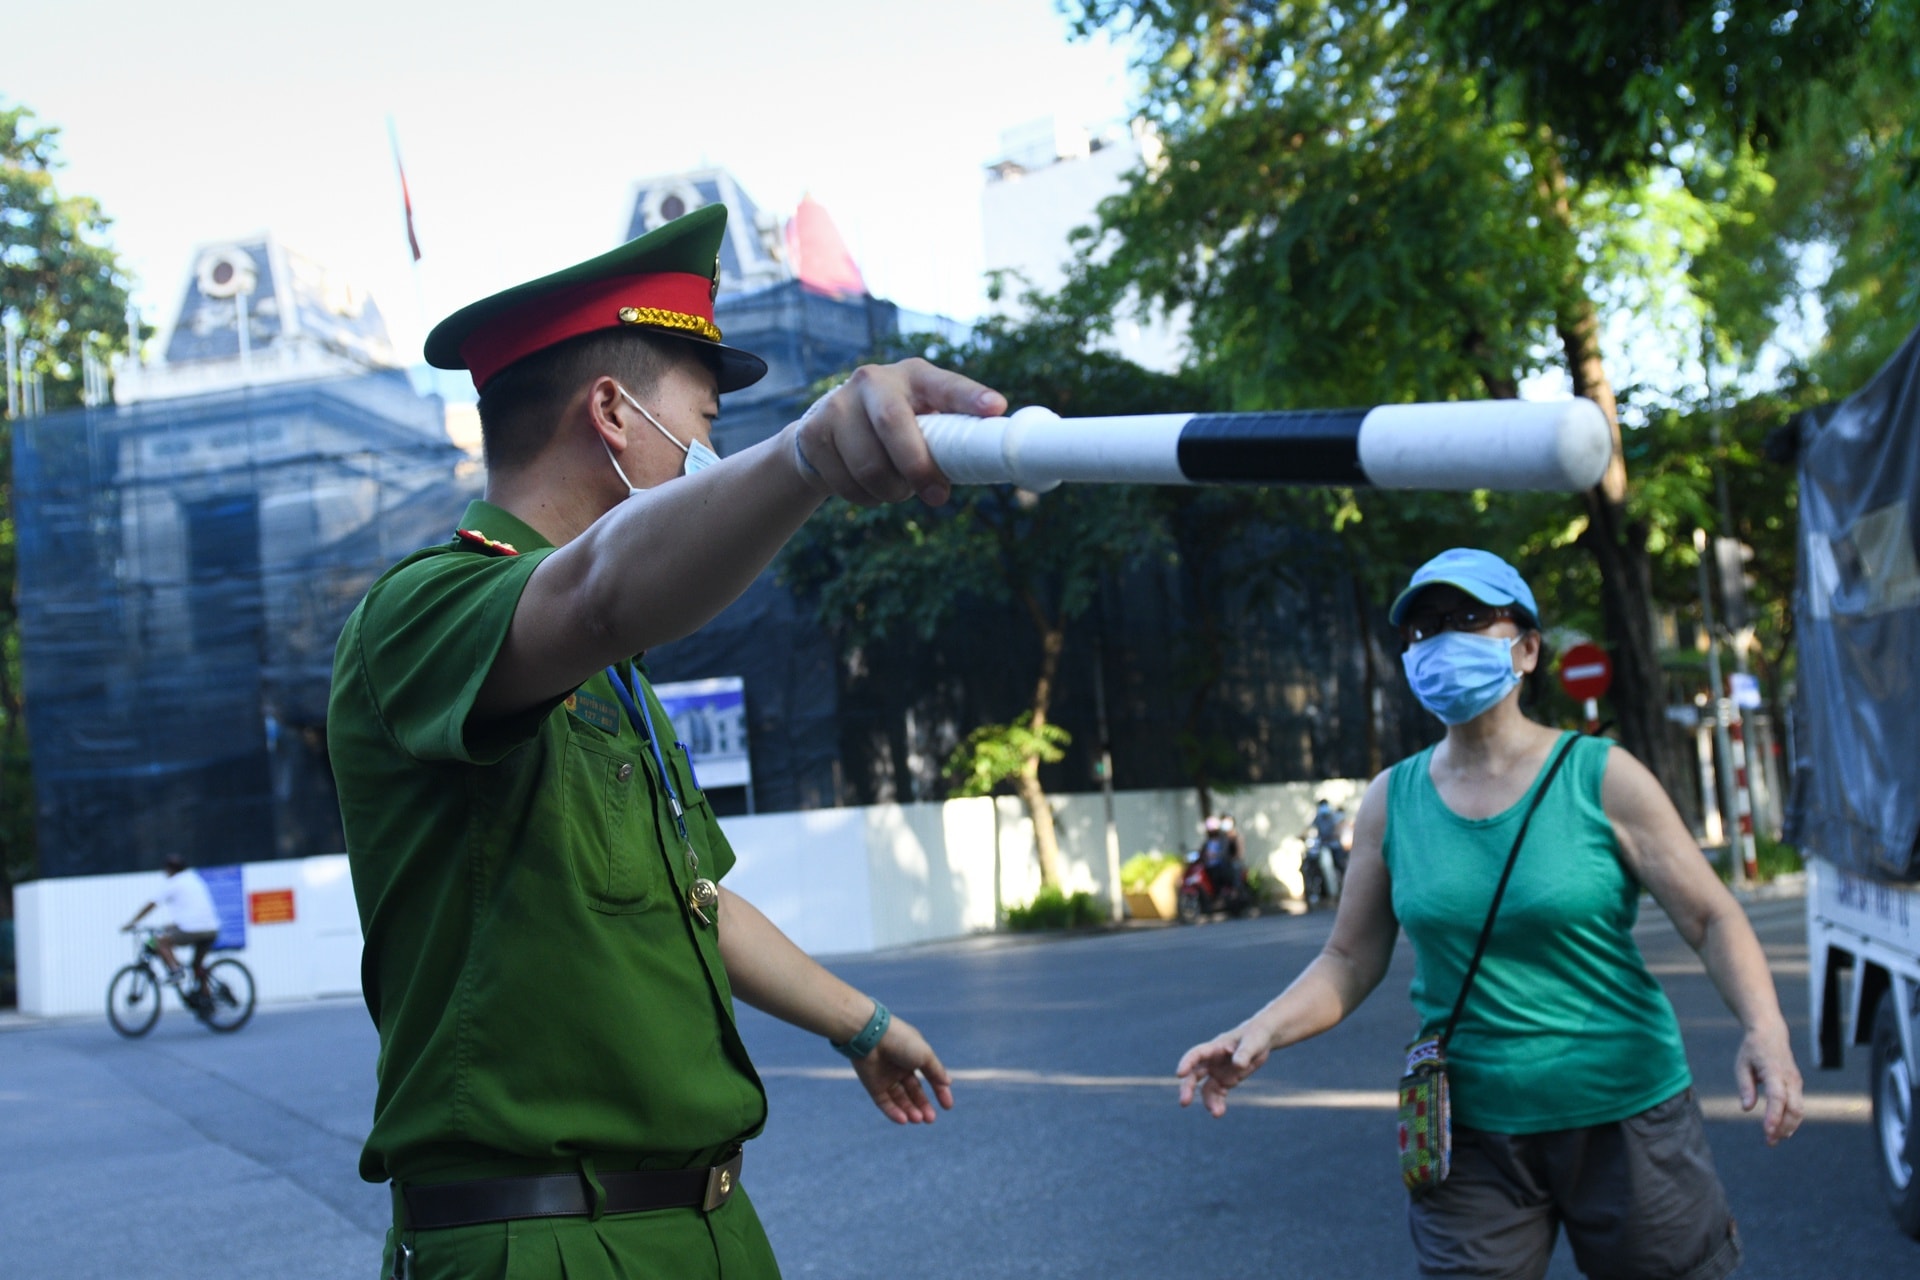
x=1481, y=574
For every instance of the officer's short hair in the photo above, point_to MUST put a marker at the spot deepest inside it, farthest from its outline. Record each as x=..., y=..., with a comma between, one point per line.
x=522, y=403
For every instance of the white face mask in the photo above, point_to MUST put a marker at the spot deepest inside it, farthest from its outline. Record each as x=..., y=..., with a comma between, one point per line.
x=699, y=455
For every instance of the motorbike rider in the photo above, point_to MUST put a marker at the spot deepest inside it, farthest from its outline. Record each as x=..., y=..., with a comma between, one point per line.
x=1224, y=852
x=1333, y=832
x=1326, y=825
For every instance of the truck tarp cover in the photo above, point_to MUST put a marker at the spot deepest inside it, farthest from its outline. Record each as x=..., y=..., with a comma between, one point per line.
x=1856, y=786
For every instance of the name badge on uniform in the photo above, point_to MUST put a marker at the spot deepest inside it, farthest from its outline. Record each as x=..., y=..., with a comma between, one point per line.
x=596, y=711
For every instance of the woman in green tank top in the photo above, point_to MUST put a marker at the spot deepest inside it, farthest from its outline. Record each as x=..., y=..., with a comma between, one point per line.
x=1571, y=1095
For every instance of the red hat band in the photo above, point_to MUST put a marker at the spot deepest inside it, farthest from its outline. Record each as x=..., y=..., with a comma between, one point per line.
x=676, y=301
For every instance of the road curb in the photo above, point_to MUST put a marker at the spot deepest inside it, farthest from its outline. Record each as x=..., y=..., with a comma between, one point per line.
x=1791, y=885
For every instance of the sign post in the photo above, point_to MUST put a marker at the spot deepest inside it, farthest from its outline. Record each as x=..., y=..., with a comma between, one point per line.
x=1586, y=673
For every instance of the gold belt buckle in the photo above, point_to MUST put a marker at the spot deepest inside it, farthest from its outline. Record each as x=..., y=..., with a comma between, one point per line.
x=721, y=1180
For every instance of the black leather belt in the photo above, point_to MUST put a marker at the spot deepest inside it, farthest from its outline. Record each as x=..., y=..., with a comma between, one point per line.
x=561, y=1195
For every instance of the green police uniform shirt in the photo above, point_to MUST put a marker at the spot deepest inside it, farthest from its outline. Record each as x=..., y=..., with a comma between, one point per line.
x=541, y=991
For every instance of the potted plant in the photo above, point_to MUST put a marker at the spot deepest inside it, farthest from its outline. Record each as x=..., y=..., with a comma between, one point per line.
x=1151, y=884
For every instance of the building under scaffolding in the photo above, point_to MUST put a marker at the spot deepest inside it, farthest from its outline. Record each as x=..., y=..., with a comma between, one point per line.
x=189, y=553
x=187, y=556
x=808, y=328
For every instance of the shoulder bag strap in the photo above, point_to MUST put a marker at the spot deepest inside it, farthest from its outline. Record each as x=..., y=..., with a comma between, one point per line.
x=1499, y=890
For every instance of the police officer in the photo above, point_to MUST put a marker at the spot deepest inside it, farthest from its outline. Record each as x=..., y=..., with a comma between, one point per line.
x=549, y=957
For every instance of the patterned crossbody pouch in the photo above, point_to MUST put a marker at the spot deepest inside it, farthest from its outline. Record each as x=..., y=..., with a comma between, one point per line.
x=1426, y=1117
x=1426, y=1106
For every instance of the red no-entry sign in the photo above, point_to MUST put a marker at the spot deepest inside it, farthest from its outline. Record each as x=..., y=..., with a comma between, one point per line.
x=1586, y=671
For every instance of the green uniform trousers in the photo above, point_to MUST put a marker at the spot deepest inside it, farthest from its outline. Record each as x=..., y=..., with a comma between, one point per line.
x=666, y=1244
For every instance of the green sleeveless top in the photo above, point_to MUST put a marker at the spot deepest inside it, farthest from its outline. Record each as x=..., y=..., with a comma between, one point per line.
x=1564, y=1026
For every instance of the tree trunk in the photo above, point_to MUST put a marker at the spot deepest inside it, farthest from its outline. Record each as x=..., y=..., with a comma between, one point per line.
x=1619, y=549
x=1618, y=546
x=1371, y=671
x=1617, y=543
x=1046, y=841
x=1209, y=662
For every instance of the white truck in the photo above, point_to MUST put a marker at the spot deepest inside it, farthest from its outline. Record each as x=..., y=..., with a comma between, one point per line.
x=1855, y=812
x=1863, y=952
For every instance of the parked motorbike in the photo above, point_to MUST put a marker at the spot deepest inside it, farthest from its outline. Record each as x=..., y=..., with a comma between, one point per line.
x=1202, y=895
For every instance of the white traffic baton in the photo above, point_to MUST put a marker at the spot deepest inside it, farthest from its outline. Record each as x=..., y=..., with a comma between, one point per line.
x=1562, y=445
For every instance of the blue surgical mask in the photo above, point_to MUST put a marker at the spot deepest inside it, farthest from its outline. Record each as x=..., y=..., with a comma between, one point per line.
x=699, y=454
x=1459, y=675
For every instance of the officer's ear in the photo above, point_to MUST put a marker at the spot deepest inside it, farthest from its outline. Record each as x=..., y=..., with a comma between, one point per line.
x=603, y=404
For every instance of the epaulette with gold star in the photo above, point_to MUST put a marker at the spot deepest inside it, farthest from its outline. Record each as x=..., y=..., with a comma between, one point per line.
x=487, y=544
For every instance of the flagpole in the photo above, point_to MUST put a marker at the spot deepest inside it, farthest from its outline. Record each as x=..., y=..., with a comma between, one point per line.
x=413, y=240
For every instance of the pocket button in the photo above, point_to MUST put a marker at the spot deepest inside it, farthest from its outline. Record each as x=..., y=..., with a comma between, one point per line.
x=625, y=771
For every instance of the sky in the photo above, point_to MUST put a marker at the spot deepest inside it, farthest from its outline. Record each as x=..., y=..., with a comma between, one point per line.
x=524, y=127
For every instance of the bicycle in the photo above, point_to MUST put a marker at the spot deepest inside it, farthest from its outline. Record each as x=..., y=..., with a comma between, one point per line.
x=223, y=1003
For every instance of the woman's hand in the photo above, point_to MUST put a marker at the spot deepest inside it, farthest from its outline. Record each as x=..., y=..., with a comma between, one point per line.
x=1764, y=1068
x=1221, y=1063
x=892, y=1074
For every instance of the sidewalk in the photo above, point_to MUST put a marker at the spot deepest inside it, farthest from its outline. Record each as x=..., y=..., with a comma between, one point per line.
x=1791, y=885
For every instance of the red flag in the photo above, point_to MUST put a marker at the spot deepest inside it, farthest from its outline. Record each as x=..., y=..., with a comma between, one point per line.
x=406, y=197
x=818, y=254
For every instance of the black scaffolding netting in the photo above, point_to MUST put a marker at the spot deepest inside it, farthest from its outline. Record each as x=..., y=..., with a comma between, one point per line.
x=184, y=568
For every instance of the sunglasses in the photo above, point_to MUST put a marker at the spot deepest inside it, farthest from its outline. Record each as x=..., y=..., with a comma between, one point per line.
x=1424, y=624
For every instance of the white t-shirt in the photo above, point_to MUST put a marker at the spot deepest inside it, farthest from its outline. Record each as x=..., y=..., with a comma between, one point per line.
x=185, y=898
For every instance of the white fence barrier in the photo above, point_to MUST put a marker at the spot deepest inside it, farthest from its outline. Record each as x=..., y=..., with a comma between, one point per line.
x=836, y=880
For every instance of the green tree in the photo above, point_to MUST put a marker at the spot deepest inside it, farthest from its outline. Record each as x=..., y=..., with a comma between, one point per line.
x=909, y=571
x=1848, y=171
x=1362, y=201
x=1619, y=85
x=61, y=289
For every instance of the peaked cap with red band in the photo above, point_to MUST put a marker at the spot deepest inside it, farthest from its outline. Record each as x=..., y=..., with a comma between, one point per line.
x=661, y=284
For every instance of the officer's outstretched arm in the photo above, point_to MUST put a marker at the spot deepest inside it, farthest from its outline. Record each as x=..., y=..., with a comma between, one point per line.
x=664, y=562
x=774, y=976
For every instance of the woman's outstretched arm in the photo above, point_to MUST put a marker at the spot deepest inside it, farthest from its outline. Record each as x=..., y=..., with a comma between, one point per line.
x=1345, y=972
x=1662, y=854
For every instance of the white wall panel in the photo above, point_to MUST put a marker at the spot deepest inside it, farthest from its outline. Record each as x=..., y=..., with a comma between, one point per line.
x=835, y=880
x=808, y=873
x=71, y=940
x=70, y=946
x=931, y=867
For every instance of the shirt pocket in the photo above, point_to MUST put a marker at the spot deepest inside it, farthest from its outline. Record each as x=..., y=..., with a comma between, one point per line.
x=680, y=762
x=613, y=842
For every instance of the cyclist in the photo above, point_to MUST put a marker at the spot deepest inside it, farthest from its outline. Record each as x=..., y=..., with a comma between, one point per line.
x=195, y=923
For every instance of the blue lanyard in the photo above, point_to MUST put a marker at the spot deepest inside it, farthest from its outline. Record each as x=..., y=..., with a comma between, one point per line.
x=631, y=699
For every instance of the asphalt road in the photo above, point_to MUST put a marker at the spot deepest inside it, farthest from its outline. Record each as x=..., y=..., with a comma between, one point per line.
x=228, y=1157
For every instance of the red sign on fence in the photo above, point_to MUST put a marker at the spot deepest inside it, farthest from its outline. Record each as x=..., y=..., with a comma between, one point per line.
x=270, y=906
